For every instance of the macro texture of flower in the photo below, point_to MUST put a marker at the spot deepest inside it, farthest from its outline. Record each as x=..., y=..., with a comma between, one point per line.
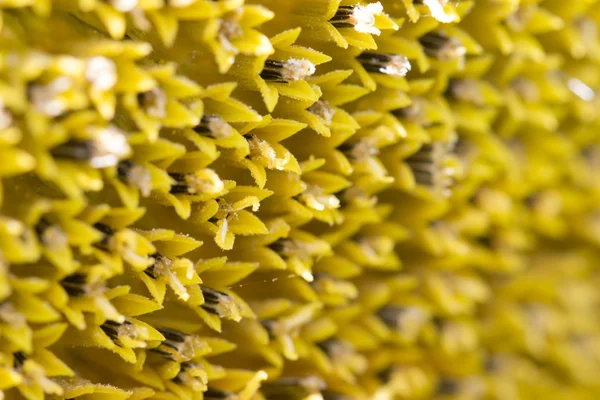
x=299, y=199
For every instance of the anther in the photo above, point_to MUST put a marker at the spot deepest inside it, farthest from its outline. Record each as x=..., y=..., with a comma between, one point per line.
x=75, y=284
x=287, y=71
x=154, y=102
x=465, y=90
x=204, y=181
x=220, y=304
x=292, y=388
x=215, y=126
x=135, y=175
x=359, y=17
x=162, y=268
x=441, y=46
x=413, y=112
x=323, y=110
x=5, y=116
x=108, y=232
x=359, y=150
x=217, y=394
x=177, y=346
x=18, y=359
x=384, y=63
x=436, y=7
x=405, y=320
x=101, y=72
x=103, y=151
x=50, y=235
x=192, y=375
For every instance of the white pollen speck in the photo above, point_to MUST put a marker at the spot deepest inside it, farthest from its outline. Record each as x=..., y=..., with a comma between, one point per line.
x=363, y=18
x=297, y=69
x=46, y=97
x=180, y=3
x=101, y=72
x=110, y=148
x=580, y=89
x=124, y=5
x=398, y=66
x=5, y=116
x=437, y=11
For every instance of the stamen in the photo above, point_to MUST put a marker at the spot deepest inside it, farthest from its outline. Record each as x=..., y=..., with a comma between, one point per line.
x=406, y=320
x=204, y=181
x=11, y=316
x=306, y=251
x=376, y=246
x=193, y=376
x=180, y=3
x=486, y=241
x=5, y=116
x=18, y=359
x=448, y=387
x=470, y=387
x=229, y=29
x=108, y=232
x=323, y=110
x=413, y=112
x=518, y=20
x=124, y=5
x=136, y=176
x=125, y=334
x=161, y=268
x=492, y=364
x=314, y=197
x=292, y=388
x=588, y=32
x=591, y=155
x=216, y=394
x=287, y=71
x=335, y=348
x=587, y=26
x=103, y=151
x=359, y=17
x=77, y=285
x=34, y=376
x=384, y=63
x=465, y=90
x=177, y=346
x=324, y=283
x=110, y=328
x=359, y=150
x=101, y=72
x=287, y=248
x=343, y=353
x=45, y=98
x=271, y=326
x=356, y=197
x=526, y=89
x=427, y=167
x=262, y=152
x=282, y=329
x=441, y=46
x=328, y=395
x=220, y=304
x=436, y=7
x=215, y=126
x=283, y=247
x=154, y=102
x=139, y=19
x=50, y=235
